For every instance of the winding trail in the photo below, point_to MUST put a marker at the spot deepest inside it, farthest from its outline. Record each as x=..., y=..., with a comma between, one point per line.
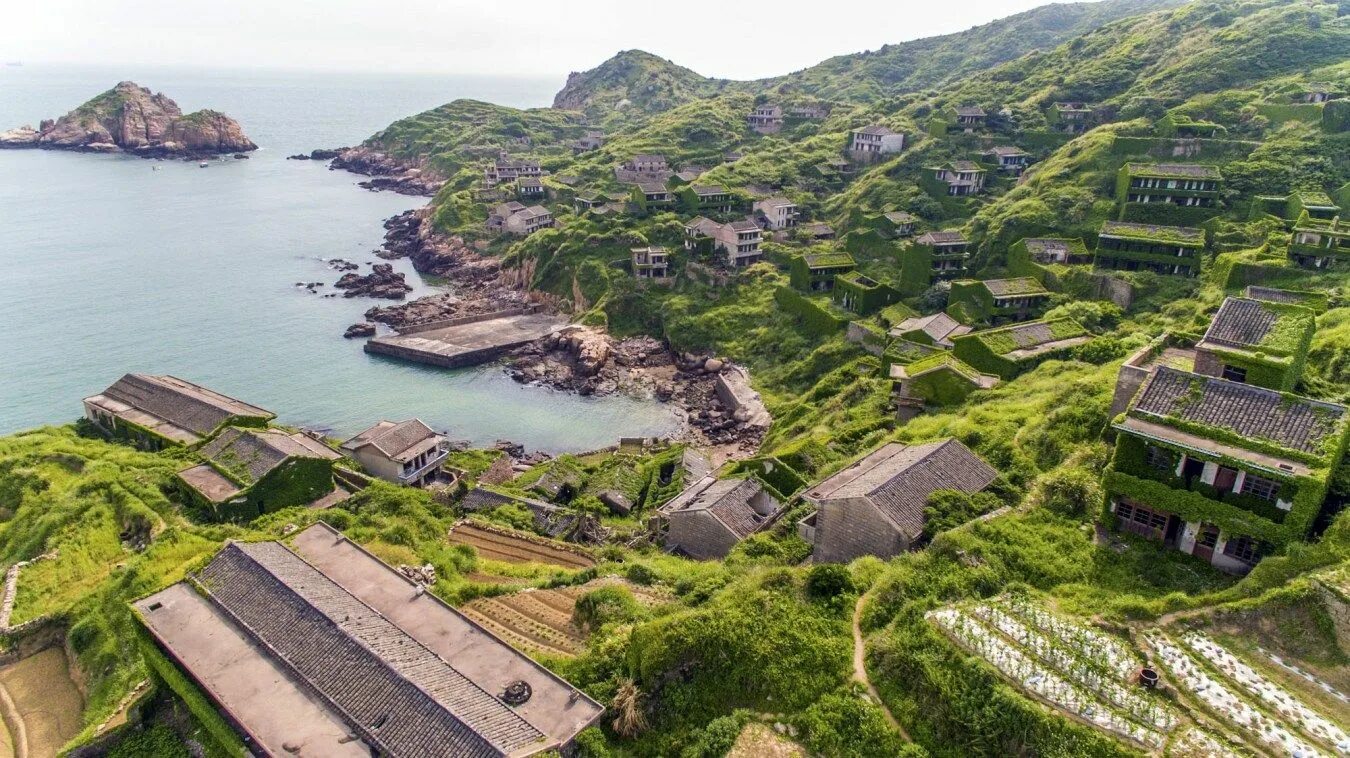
x=860, y=668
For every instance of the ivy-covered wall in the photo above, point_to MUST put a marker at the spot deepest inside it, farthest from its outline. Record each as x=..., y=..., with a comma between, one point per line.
x=1130, y=475
x=815, y=319
x=858, y=295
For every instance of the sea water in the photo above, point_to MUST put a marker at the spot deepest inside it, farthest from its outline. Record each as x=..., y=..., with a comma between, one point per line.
x=114, y=264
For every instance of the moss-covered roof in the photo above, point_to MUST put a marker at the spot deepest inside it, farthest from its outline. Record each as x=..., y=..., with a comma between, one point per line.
x=1174, y=170
x=828, y=260
x=1022, y=285
x=1183, y=235
x=1008, y=339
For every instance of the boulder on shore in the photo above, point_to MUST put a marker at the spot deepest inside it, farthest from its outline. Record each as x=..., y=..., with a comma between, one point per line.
x=360, y=329
x=380, y=282
x=133, y=119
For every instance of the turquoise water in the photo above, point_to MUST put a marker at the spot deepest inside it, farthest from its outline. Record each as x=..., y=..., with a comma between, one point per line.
x=108, y=266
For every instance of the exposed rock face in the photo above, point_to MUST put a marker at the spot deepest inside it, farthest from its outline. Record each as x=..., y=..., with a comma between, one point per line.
x=380, y=282
x=360, y=329
x=387, y=172
x=131, y=118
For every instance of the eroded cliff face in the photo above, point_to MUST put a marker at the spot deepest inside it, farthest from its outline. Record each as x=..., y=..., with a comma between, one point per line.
x=130, y=117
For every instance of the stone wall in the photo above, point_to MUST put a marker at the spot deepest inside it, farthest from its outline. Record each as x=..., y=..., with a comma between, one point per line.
x=699, y=534
x=850, y=528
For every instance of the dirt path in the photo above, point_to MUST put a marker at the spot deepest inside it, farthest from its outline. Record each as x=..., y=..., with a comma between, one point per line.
x=860, y=667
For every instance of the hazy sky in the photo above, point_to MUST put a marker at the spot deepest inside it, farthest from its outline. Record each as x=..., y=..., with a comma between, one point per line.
x=725, y=38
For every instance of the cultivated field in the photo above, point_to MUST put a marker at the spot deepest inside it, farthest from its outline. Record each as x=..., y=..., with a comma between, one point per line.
x=540, y=620
x=502, y=545
x=40, y=704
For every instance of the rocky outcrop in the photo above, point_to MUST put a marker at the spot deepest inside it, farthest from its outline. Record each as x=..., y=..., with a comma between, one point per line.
x=381, y=282
x=360, y=329
x=130, y=118
x=387, y=172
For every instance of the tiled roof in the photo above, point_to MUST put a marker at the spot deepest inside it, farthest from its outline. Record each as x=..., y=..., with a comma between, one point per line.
x=744, y=225
x=705, y=226
x=1241, y=323
x=180, y=403
x=939, y=327
x=1174, y=170
x=1184, y=234
x=1275, y=295
x=251, y=454
x=1245, y=410
x=1006, y=150
x=653, y=188
x=899, y=217
x=403, y=698
x=1052, y=245
x=875, y=129
x=897, y=479
x=776, y=201
x=828, y=260
x=709, y=189
x=728, y=500
x=941, y=238
x=1023, y=285
x=966, y=166
x=534, y=211
x=970, y=110
x=398, y=441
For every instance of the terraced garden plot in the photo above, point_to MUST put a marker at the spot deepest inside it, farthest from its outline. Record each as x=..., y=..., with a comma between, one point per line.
x=1065, y=689
x=1260, y=711
x=500, y=545
x=540, y=620
x=41, y=706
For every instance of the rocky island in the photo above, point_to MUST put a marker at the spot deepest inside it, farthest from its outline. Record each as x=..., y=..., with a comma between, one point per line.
x=130, y=118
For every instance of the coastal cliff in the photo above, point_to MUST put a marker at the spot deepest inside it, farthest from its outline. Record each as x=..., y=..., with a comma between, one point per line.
x=130, y=118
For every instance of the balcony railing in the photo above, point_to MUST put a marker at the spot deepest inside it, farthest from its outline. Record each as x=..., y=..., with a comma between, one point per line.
x=432, y=462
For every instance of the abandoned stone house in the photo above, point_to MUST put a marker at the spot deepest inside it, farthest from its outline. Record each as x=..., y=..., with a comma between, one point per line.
x=737, y=242
x=810, y=111
x=1320, y=243
x=1221, y=470
x=900, y=223
x=712, y=198
x=958, y=178
x=1153, y=247
x=1045, y=250
x=651, y=262
x=1009, y=159
x=592, y=140
x=504, y=169
x=161, y=411
x=874, y=141
x=765, y=119
x=970, y=117
x=655, y=193
x=818, y=231
x=319, y=648
x=876, y=505
x=248, y=472
x=945, y=253
x=401, y=452
x=777, y=212
x=937, y=329
x=712, y=515
x=529, y=188
x=1184, y=184
x=648, y=163
x=1072, y=117
x=516, y=218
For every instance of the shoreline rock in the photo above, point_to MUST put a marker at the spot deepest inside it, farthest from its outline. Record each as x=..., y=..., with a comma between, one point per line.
x=381, y=282
x=131, y=119
x=386, y=171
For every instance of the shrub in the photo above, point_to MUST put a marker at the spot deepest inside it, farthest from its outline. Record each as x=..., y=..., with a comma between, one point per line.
x=715, y=739
x=603, y=606
x=947, y=509
x=1072, y=492
x=828, y=580
x=844, y=726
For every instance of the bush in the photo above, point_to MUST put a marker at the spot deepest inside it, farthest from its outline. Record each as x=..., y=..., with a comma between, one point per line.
x=717, y=738
x=843, y=725
x=826, y=581
x=603, y=606
x=1072, y=492
x=1095, y=315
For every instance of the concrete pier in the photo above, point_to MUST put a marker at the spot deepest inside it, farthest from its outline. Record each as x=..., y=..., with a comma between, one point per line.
x=466, y=344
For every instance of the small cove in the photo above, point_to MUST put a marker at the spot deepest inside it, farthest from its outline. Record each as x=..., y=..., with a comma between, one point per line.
x=108, y=265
